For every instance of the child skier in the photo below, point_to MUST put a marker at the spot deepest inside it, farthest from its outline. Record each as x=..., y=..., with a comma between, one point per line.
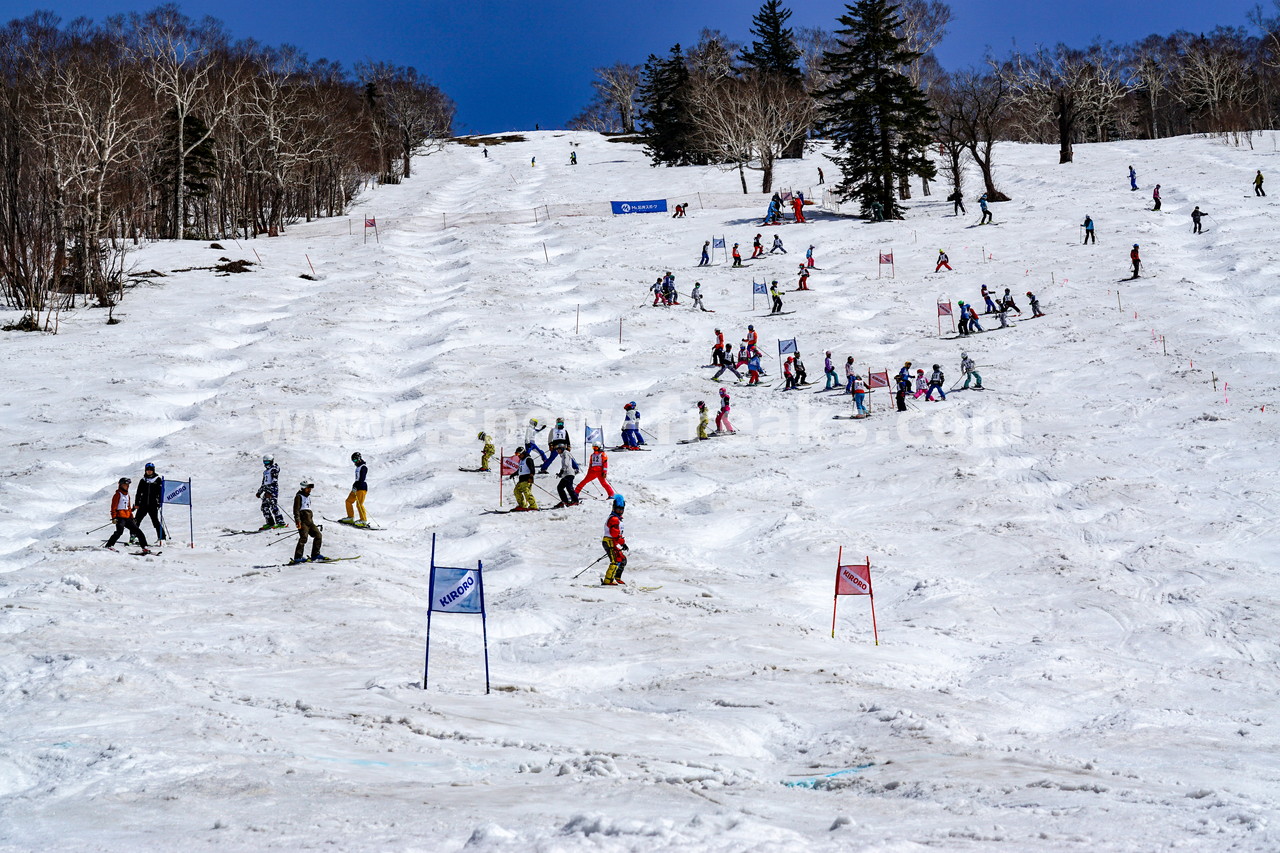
x=268, y=492
x=597, y=469
x=789, y=373
x=777, y=298
x=304, y=520
x=631, y=437
x=808, y=257
x=558, y=441
x=703, y=421
x=1155, y=196
x=1257, y=184
x=943, y=261
x=1089, y=236
x=487, y=453
x=1196, y=216
x=986, y=296
x=922, y=385
x=849, y=375
x=722, y=419
x=970, y=372
x=355, y=499
x=706, y=254
x=568, y=467
x=859, y=395
x=1035, y=305
x=737, y=256
x=803, y=284
x=986, y=213
x=697, y=297
x=122, y=515
x=1008, y=304
x=936, y=380
x=753, y=372
x=614, y=544
x=829, y=371
x=777, y=245
x=525, y=501
x=148, y=500
x=531, y=438
x=1137, y=261
x=1133, y=179
x=757, y=248
x=802, y=376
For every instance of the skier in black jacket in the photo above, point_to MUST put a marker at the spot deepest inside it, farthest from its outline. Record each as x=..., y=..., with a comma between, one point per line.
x=148, y=500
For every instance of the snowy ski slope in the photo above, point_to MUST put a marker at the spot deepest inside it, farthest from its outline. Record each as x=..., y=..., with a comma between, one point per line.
x=1075, y=569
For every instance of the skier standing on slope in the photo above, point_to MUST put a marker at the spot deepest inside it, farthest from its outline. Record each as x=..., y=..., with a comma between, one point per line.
x=737, y=256
x=717, y=349
x=305, y=521
x=597, y=469
x=986, y=296
x=943, y=261
x=1007, y=302
x=1089, y=236
x=722, y=419
x=1257, y=184
x=986, y=213
x=962, y=325
x=531, y=439
x=850, y=372
x=803, y=283
x=753, y=337
x=268, y=492
x=808, y=257
x=631, y=437
x=1196, y=216
x=487, y=453
x=797, y=207
x=148, y=500
x=122, y=515
x=829, y=371
x=860, y=395
x=1155, y=196
x=757, y=248
x=904, y=386
x=957, y=200
x=777, y=298
x=789, y=373
x=656, y=287
x=614, y=544
x=525, y=501
x=703, y=421
x=777, y=245
x=936, y=380
x=706, y=254
x=1137, y=261
x=974, y=325
x=802, y=376
x=568, y=467
x=558, y=441
x=726, y=363
x=1133, y=179
x=922, y=385
x=753, y=371
x=696, y=293
x=970, y=372
x=1035, y=305
x=355, y=498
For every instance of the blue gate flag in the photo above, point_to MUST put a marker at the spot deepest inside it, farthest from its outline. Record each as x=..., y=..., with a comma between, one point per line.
x=654, y=206
x=595, y=435
x=759, y=287
x=717, y=242
x=177, y=492
x=785, y=347
x=456, y=591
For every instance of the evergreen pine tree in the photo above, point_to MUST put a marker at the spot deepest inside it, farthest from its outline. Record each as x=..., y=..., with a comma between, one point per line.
x=881, y=123
x=664, y=107
x=774, y=52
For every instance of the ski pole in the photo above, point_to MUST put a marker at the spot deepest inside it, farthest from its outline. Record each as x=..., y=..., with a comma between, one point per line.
x=286, y=536
x=646, y=432
x=592, y=563
x=96, y=529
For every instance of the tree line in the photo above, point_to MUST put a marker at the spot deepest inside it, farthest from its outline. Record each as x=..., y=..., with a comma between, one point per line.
x=154, y=126
x=873, y=86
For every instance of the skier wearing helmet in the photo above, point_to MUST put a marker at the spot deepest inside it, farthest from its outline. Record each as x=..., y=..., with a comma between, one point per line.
x=487, y=453
x=355, y=498
x=631, y=437
x=122, y=515
x=268, y=492
x=614, y=543
x=305, y=521
x=597, y=469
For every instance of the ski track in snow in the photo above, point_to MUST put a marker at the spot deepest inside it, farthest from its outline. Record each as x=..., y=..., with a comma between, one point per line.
x=1074, y=569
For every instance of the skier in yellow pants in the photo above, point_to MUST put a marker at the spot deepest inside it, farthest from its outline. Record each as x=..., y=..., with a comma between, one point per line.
x=487, y=453
x=355, y=499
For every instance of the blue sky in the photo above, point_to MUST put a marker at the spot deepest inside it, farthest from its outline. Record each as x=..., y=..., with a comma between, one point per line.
x=512, y=63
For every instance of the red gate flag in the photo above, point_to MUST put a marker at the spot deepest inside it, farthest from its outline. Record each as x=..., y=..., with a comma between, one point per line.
x=878, y=380
x=854, y=579
x=944, y=309
x=510, y=465
x=371, y=223
x=886, y=257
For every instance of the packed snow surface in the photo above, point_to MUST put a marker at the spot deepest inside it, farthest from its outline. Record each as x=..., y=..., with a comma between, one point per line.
x=1075, y=570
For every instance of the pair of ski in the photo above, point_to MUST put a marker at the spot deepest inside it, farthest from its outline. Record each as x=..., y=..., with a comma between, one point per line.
x=621, y=586
x=353, y=524
x=134, y=553
x=309, y=562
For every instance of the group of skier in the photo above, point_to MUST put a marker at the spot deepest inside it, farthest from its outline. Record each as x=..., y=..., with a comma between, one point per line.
x=147, y=502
